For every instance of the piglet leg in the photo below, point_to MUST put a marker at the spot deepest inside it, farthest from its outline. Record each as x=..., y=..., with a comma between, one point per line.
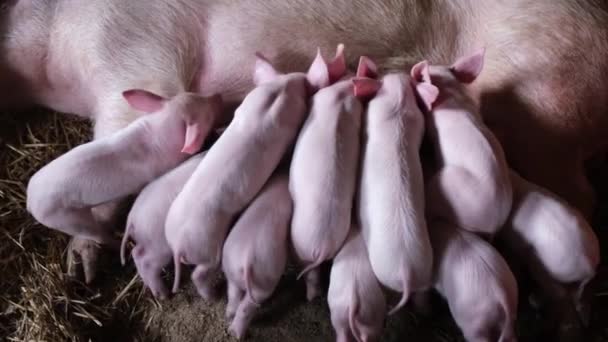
x=342, y=327
x=83, y=252
x=86, y=252
x=151, y=274
x=313, y=284
x=235, y=296
x=201, y=277
x=82, y=221
x=243, y=317
x=344, y=336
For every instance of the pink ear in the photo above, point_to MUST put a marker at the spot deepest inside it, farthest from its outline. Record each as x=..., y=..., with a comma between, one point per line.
x=422, y=79
x=194, y=139
x=428, y=93
x=420, y=72
x=144, y=101
x=337, y=67
x=466, y=69
x=365, y=87
x=263, y=71
x=318, y=73
x=367, y=68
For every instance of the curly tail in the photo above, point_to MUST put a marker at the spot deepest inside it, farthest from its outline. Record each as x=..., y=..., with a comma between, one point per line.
x=123, y=243
x=404, y=298
x=354, y=325
x=319, y=260
x=402, y=302
x=508, y=331
x=178, y=270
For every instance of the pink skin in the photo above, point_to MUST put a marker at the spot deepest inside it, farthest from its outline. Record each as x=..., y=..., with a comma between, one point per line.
x=356, y=301
x=237, y=166
x=255, y=252
x=145, y=225
x=540, y=88
x=471, y=188
x=323, y=176
x=477, y=283
x=62, y=194
x=391, y=197
x=553, y=239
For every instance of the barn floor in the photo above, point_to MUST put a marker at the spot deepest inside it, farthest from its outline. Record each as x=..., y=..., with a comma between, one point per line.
x=39, y=303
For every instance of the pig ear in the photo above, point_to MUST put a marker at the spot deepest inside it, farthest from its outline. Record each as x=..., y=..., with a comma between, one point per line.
x=367, y=68
x=420, y=72
x=428, y=94
x=466, y=69
x=194, y=139
x=144, y=101
x=263, y=71
x=337, y=67
x=365, y=87
x=200, y=122
x=318, y=73
x=421, y=76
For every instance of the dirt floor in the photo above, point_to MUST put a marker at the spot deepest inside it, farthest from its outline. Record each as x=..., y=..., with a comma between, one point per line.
x=39, y=303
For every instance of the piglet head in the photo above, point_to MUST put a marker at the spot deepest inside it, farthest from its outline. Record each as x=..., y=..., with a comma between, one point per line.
x=427, y=92
x=198, y=112
x=365, y=83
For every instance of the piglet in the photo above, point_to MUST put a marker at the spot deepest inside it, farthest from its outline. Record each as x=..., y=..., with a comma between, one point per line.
x=255, y=252
x=146, y=225
x=237, y=166
x=391, y=192
x=552, y=237
x=356, y=301
x=63, y=192
x=477, y=283
x=471, y=187
x=323, y=175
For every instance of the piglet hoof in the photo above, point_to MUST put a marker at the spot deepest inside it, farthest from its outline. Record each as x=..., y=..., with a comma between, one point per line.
x=237, y=330
x=83, y=256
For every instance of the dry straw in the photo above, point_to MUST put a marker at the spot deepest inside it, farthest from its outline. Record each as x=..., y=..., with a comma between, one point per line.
x=38, y=302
